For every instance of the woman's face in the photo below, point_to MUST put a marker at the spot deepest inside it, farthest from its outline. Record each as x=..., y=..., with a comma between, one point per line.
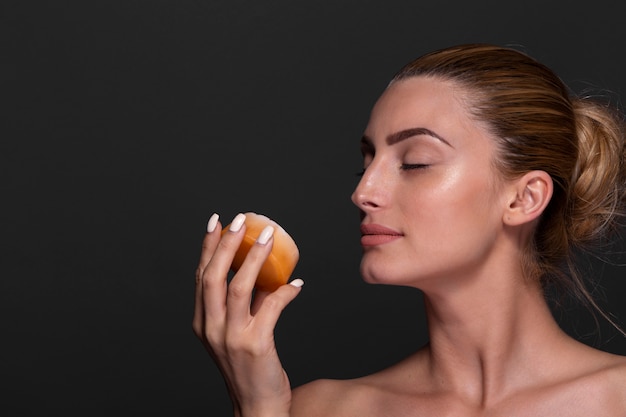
x=429, y=196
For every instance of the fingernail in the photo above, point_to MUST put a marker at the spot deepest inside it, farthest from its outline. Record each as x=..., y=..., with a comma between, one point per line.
x=212, y=224
x=265, y=235
x=237, y=222
x=297, y=283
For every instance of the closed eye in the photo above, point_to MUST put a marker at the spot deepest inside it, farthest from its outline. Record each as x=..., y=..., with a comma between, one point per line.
x=407, y=167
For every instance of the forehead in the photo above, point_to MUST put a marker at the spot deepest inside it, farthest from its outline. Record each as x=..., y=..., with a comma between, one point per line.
x=436, y=104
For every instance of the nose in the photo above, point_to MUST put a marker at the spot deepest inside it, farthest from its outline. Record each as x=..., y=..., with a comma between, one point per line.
x=371, y=192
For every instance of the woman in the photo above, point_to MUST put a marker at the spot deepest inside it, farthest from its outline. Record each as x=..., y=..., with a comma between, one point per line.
x=482, y=174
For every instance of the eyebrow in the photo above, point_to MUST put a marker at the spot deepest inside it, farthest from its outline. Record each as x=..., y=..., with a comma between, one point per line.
x=405, y=134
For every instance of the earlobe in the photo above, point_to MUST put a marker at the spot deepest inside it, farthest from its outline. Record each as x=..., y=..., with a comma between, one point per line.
x=531, y=194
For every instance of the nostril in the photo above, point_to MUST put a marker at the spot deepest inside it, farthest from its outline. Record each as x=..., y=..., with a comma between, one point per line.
x=369, y=204
x=363, y=202
x=365, y=196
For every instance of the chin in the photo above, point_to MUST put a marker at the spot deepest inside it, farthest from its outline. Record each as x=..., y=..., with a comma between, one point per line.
x=388, y=272
x=373, y=275
x=369, y=276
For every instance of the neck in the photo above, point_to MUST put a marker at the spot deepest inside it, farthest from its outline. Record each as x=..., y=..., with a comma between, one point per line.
x=485, y=349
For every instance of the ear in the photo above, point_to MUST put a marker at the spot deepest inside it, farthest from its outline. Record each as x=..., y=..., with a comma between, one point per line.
x=530, y=195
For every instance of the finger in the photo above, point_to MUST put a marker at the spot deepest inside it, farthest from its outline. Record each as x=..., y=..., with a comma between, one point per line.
x=274, y=303
x=242, y=284
x=257, y=302
x=215, y=275
x=211, y=239
x=209, y=244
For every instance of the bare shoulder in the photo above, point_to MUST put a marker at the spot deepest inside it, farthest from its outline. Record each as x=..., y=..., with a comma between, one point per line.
x=329, y=397
x=606, y=383
x=615, y=376
x=371, y=395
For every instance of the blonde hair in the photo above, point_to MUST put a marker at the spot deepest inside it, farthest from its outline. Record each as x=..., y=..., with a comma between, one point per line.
x=541, y=125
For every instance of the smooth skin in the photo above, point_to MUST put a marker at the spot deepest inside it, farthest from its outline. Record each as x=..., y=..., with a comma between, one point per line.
x=237, y=330
x=494, y=350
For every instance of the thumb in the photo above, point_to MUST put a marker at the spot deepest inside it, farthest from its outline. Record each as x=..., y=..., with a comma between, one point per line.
x=268, y=306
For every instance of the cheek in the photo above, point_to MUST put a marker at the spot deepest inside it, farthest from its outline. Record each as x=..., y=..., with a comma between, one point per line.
x=460, y=209
x=435, y=198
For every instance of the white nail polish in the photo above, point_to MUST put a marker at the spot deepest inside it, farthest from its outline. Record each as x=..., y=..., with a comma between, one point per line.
x=237, y=222
x=265, y=235
x=297, y=283
x=212, y=224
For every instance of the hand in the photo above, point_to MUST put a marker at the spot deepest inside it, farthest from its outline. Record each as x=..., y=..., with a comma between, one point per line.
x=238, y=329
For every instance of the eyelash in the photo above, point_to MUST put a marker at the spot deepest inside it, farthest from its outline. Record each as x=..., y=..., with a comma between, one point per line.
x=407, y=167
x=404, y=167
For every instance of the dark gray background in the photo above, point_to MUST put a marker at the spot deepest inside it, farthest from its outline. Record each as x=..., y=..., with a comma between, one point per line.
x=127, y=123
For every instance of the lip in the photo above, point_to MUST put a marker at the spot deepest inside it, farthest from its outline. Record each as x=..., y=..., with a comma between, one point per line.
x=376, y=234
